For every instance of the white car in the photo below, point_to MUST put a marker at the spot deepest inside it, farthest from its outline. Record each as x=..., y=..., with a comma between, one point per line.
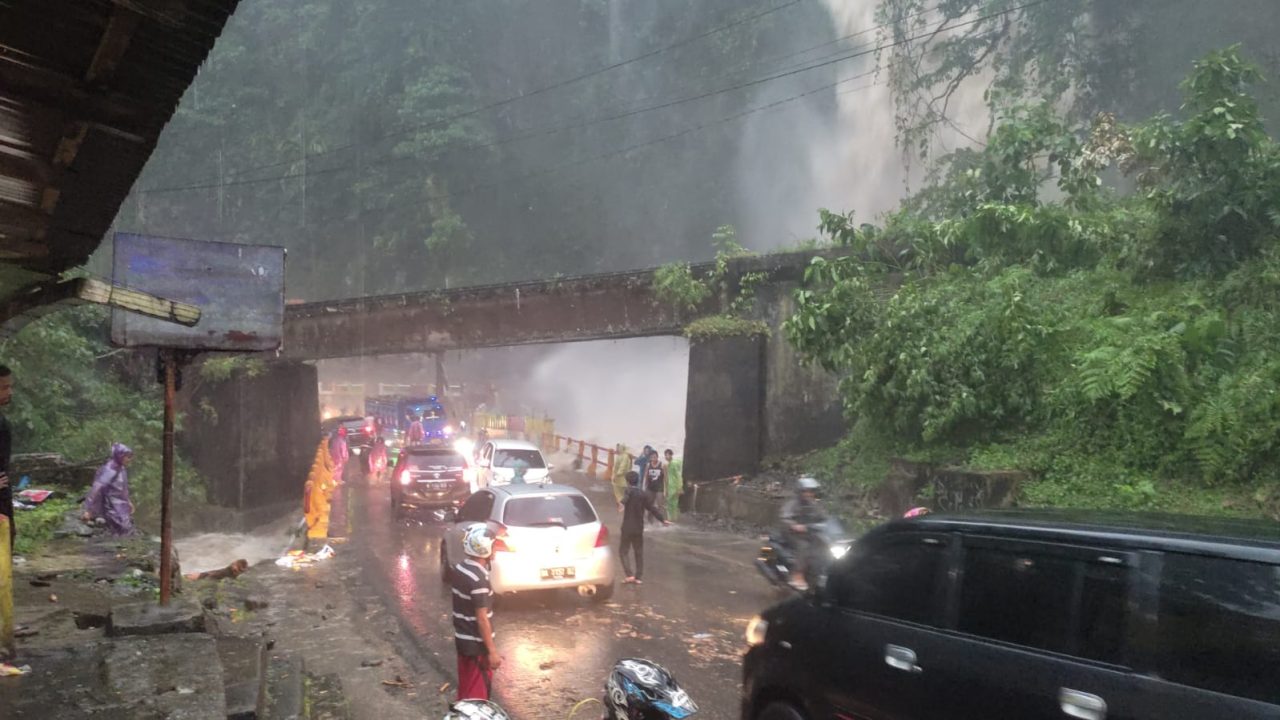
x=496, y=461
x=548, y=536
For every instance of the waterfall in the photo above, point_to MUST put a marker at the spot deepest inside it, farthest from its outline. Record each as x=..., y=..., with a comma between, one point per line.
x=850, y=159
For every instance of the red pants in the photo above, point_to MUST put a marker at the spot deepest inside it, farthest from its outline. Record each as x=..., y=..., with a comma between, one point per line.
x=474, y=677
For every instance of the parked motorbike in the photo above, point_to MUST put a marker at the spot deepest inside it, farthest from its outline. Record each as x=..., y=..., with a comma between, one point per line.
x=828, y=542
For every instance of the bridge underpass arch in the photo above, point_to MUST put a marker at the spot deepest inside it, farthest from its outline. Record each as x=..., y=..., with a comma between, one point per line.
x=630, y=391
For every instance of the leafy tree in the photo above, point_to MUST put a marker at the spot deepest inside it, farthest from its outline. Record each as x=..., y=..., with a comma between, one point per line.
x=1021, y=312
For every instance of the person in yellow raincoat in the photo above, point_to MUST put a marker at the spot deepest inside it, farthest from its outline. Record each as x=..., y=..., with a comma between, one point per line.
x=623, y=460
x=318, y=493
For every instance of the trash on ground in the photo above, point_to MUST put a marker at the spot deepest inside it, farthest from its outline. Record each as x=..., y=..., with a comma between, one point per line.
x=32, y=496
x=298, y=558
x=701, y=636
x=7, y=670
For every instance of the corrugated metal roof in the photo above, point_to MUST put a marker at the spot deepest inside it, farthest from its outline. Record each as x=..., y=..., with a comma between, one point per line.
x=86, y=86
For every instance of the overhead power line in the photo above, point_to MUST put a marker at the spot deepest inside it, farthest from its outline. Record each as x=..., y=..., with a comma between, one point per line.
x=565, y=82
x=830, y=61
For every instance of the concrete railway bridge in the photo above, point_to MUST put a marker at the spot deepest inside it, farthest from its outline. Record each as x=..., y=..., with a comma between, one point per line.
x=748, y=396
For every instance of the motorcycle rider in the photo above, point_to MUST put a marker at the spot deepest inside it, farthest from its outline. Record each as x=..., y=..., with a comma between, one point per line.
x=799, y=515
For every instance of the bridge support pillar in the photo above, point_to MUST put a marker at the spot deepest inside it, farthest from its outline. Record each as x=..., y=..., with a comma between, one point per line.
x=253, y=438
x=724, y=410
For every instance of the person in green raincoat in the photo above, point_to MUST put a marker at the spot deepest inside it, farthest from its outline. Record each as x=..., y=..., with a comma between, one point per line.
x=675, y=483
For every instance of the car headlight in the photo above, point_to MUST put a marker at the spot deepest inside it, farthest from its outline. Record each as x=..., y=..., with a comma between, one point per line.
x=838, y=550
x=756, y=631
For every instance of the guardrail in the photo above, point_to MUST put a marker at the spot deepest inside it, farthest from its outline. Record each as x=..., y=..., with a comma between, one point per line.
x=590, y=455
x=535, y=429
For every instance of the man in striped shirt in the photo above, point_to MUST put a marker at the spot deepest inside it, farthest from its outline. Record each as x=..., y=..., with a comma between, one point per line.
x=473, y=616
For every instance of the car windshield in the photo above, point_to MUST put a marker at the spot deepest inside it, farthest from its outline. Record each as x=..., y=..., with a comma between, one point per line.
x=424, y=461
x=548, y=510
x=507, y=457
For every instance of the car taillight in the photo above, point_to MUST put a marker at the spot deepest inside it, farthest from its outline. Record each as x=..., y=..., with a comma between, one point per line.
x=368, y=429
x=602, y=538
x=502, y=543
x=405, y=478
x=469, y=475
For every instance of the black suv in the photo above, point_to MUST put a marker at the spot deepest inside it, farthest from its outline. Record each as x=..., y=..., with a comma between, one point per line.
x=430, y=477
x=1030, y=615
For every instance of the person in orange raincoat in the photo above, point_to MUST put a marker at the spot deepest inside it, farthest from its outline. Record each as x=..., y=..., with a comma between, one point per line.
x=318, y=493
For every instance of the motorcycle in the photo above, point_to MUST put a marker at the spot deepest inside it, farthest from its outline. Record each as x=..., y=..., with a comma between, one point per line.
x=828, y=542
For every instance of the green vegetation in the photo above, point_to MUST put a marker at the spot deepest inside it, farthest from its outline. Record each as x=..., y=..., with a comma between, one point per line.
x=36, y=527
x=1120, y=346
x=72, y=397
x=723, y=326
x=224, y=367
x=375, y=139
x=675, y=285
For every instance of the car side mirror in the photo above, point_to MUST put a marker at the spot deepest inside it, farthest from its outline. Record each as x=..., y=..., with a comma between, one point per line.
x=550, y=467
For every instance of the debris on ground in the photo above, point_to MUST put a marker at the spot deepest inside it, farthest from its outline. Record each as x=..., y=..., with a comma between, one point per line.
x=33, y=497
x=298, y=559
x=7, y=670
x=234, y=570
x=398, y=682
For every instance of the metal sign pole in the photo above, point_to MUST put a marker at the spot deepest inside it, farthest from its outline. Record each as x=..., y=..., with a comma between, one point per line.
x=169, y=359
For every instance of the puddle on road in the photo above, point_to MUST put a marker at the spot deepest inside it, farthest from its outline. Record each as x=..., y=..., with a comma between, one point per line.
x=210, y=551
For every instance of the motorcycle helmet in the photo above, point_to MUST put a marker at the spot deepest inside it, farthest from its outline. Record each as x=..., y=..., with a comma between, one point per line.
x=478, y=542
x=476, y=710
x=642, y=690
x=808, y=484
x=916, y=512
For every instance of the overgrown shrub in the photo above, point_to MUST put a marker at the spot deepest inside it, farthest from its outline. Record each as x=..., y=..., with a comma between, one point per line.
x=1116, y=345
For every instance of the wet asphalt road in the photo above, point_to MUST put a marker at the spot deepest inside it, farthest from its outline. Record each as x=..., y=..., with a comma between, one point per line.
x=700, y=590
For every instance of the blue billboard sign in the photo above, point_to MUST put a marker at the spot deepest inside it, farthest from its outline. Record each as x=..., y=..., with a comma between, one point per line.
x=238, y=288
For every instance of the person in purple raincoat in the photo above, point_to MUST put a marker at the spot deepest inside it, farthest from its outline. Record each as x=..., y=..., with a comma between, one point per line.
x=109, y=497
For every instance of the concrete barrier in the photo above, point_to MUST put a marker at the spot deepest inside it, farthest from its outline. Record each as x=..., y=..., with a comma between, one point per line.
x=908, y=484
x=731, y=500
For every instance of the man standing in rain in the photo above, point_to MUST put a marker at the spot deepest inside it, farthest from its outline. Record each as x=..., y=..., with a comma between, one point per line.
x=635, y=503
x=655, y=479
x=108, y=499
x=6, y=448
x=473, y=635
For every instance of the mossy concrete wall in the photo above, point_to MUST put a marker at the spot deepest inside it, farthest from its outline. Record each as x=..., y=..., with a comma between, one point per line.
x=802, y=407
x=253, y=439
x=724, y=412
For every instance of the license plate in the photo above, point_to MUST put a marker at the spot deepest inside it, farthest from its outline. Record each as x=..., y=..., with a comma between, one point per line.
x=560, y=573
x=439, y=485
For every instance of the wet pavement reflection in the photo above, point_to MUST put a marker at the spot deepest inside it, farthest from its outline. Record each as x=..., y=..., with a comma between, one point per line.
x=700, y=590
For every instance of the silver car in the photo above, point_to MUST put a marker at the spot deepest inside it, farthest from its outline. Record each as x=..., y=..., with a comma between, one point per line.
x=549, y=536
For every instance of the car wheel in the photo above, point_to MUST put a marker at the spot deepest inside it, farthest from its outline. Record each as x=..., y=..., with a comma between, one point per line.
x=780, y=711
x=604, y=592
